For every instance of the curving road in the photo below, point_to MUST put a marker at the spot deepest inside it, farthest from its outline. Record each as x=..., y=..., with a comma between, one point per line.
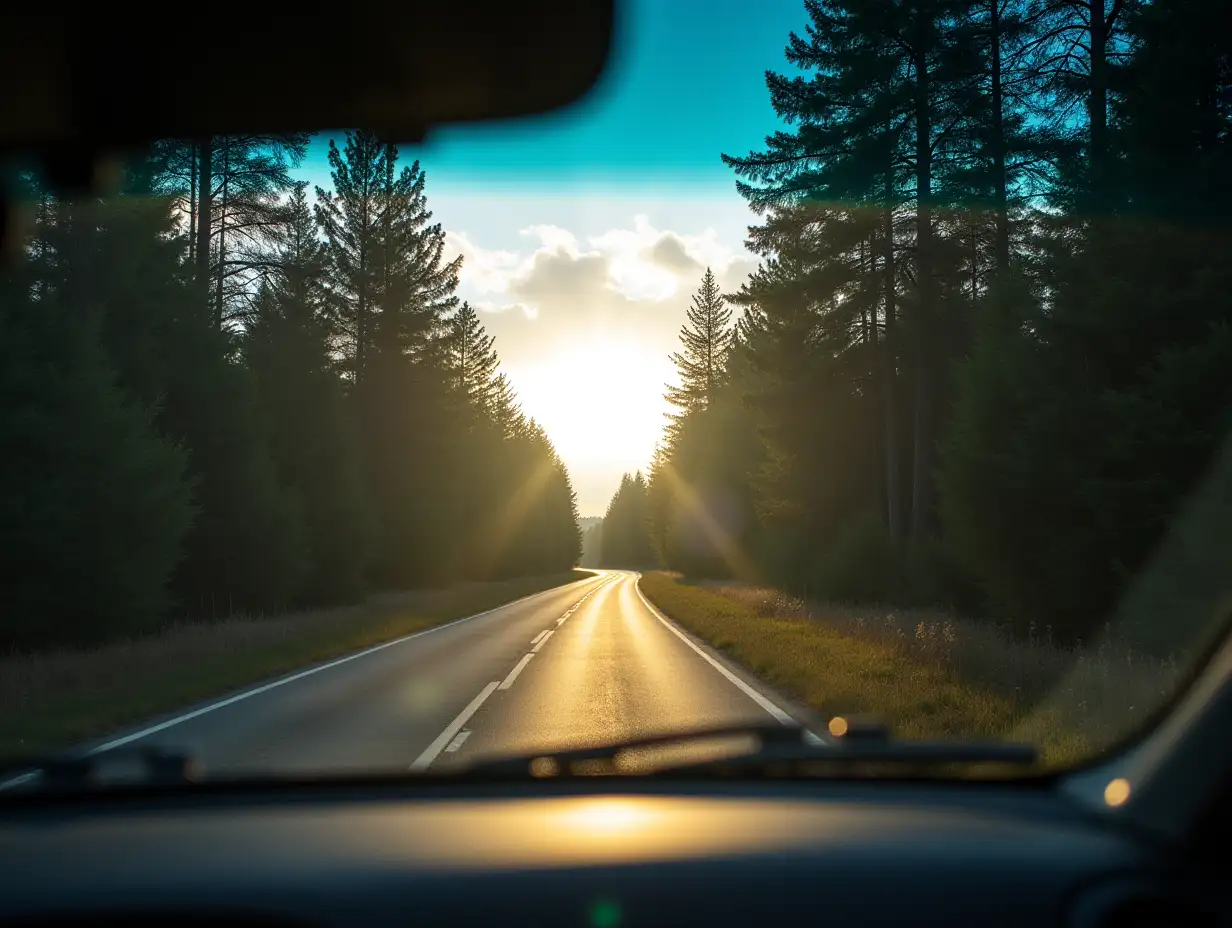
x=584, y=664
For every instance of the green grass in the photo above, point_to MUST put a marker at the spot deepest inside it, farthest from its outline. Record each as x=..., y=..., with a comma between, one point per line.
x=926, y=673
x=52, y=700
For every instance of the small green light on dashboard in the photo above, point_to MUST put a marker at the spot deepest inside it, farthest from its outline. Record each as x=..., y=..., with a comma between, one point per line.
x=605, y=913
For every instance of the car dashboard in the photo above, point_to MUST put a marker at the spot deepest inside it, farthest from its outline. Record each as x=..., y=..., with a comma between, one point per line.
x=603, y=854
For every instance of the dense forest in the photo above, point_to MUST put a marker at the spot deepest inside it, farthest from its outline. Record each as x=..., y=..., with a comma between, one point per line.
x=223, y=394
x=986, y=352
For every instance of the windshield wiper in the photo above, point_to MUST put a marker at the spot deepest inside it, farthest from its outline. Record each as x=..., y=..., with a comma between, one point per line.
x=744, y=751
x=765, y=750
x=143, y=766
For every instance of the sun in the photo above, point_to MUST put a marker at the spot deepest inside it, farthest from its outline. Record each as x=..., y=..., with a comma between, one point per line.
x=600, y=400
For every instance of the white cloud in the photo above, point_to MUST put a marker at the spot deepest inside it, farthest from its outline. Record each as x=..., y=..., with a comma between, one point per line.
x=672, y=252
x=560, y=277
x=483, y=270
x=487, y=306
x=553, y=237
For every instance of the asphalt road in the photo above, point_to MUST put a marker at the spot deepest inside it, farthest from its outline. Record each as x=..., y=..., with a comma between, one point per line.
x=579, y=665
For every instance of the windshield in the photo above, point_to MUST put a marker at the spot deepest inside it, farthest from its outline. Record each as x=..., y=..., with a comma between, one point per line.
x=838, y=358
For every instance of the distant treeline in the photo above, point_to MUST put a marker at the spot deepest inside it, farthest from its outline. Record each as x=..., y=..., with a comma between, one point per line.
x=592, y=540
x=218, y=397
x=987, y=351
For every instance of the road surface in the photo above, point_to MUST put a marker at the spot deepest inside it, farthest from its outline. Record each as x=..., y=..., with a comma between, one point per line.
x=584, y=664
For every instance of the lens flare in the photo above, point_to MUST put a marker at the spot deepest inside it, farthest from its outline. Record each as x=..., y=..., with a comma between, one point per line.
x=608, y=817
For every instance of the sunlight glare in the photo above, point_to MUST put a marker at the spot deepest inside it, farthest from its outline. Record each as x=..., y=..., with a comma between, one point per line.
x=599, y=399
x=607, y=817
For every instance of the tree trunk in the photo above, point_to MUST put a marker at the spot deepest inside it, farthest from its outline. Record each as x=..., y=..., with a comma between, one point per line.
x=192, y=201
x=361, y=301
x=975, y=261
x=865, y=268
x=222, y=233
x=1002, y=246
x=205, y=197
x=388, y=319
x=894, y=519
x=922, y=445
x=1097, y=106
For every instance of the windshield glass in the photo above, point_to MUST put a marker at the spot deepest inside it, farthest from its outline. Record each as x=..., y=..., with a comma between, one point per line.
x=838, y=358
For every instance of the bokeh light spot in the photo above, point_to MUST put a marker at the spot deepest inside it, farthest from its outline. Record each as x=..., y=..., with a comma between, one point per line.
x=1116, y=793
x=605, y=913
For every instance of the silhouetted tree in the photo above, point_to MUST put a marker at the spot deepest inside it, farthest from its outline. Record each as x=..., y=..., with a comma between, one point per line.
x=704, y=340
x=286, y=344
x=626, y=536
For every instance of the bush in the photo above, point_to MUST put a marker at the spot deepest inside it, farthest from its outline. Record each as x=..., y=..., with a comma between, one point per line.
x=93, y=502
x=935, y=577
x=866, y=565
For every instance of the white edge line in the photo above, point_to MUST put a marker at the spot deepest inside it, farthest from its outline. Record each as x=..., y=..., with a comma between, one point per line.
x=542, y=642
x=238, y=697
x=513, y=674
x=281, y=681
x=778, y=714
x=430, y=754
x=535, y=640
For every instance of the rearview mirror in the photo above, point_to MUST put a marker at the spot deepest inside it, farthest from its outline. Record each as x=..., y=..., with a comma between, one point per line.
x=78, y=78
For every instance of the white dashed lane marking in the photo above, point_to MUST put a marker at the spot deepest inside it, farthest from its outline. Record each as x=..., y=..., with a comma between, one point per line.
x=513, y=674
x=429, y=755
x=453, y=737
x=458, y=741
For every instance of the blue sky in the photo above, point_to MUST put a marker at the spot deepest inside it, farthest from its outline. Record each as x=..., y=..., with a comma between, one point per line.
x=685, y=83
x=585, y=232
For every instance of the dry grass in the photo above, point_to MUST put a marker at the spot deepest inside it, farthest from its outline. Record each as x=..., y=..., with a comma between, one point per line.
x=928, y=673
x=51, y=700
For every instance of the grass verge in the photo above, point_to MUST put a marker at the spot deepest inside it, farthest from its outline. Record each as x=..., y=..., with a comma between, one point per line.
x=52, y=700
x=927, y=673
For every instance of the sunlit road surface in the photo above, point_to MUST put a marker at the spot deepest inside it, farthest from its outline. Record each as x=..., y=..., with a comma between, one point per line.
x=580, y=665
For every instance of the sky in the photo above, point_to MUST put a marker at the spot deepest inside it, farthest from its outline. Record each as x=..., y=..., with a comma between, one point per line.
x=585, y=232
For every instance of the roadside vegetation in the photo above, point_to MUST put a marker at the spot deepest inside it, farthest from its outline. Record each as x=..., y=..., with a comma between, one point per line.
x=975, y=386
x=981, y=362
x=215, y=403
x=927, y=672
x=54, y=699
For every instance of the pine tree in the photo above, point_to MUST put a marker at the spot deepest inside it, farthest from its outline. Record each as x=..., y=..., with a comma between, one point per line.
x=350, y=217
x=94, y=504
x=1009, y=157
x=704, y=340
x=661, y=503
x=417, y=285
x=470, y=363
x=120, y=258
x=299, y=265
x=229, y=187
x=313, y=442
x=626, y=536
x=1090, y=408
x=391, y=286
x=390, y=291
x=1073, y=57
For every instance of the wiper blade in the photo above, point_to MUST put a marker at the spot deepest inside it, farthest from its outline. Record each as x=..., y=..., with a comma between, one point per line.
x=615, y=758
x=776, y=750
x=144, y=766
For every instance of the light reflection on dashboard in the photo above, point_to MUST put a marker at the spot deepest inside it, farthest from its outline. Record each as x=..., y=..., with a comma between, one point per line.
x=582, y=830
x=607, y=817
